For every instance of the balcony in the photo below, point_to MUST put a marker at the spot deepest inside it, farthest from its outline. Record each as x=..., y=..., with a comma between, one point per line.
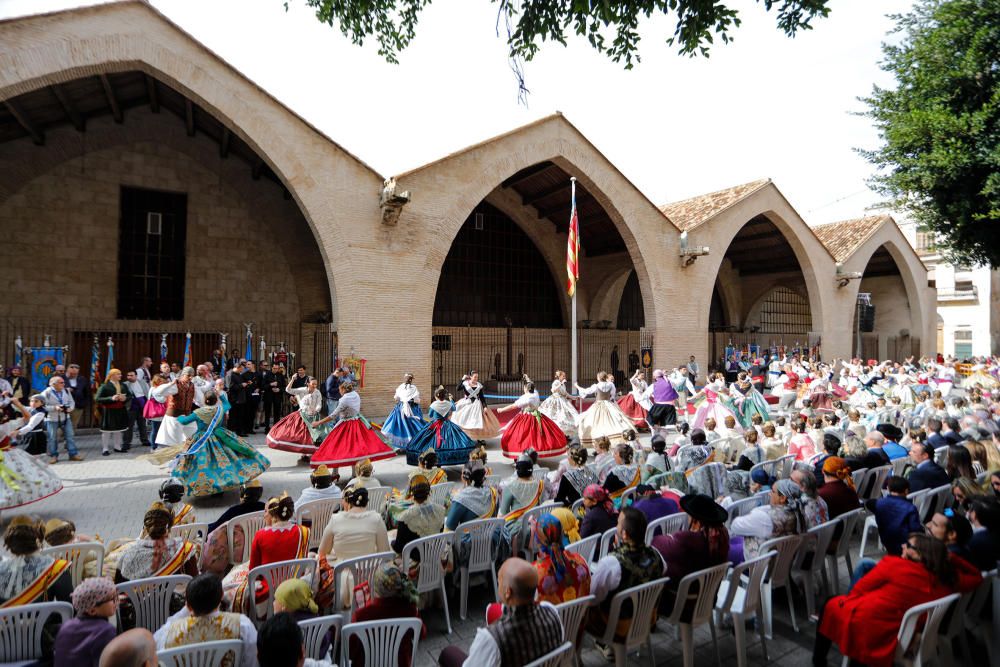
x=953, y=294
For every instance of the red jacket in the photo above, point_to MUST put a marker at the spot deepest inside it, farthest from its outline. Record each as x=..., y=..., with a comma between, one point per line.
x=864, y=622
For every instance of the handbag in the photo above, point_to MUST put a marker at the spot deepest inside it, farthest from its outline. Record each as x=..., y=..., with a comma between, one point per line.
x=154, y=409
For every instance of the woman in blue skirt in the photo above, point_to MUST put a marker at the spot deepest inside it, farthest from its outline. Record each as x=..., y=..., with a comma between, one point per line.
x=405, y=420
x=452, y=445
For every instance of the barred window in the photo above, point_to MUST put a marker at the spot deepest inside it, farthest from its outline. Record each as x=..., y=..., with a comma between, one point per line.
x=785, y=311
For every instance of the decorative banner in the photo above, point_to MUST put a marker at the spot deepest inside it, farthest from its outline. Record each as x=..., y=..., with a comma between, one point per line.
x=163, y=347
x=187, y=349
x=111, y=357
x=222, y=352
x=43, y=365
x=263, y=351
x=357, y=366
x=249, y=350
x=18, y=351
x=729, y=351
x=95, y=373
x=754, y=350
x=646, y=355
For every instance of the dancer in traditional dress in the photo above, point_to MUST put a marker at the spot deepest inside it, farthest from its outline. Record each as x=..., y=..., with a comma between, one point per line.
x=604, y=418
x=820, y=393
x=786, y=389
x=945, y=378
x=180, y=402
x=663, y=411
x=216, y=459
x=680, y=380
x=636, y=403
x=297, y=431
x=868, y=388
x=471, y=413
x=406, y=420
x=113, y=396
x=23, y=478
x=558, y=407
x=352, y=439
x=452, y=445
x=750, y=402
x=903, y=389
x=530, y=429
x=713, y=401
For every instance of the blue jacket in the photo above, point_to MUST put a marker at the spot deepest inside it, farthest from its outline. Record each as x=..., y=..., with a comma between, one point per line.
x=927, y=475
x=894, y=450
x=896, y=518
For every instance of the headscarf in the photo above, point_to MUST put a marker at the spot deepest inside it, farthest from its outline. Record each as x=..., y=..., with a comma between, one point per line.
x=834, y=465
x=792, y=493
x=296, y=595
x=570, y=526
x=92, y=592
x=390, y=582
x=597, y=493
x=692, y=457
x=549, y=536
x=760, y=476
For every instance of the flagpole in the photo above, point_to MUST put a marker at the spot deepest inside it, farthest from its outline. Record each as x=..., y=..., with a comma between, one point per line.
x=573, y=369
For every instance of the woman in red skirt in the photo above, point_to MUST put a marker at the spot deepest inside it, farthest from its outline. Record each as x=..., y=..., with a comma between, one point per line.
x=296, y=431
x=352, y=438
x=531, y=429
x=636, y=403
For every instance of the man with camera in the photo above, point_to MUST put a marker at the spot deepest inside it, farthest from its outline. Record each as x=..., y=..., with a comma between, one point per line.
x=59, y=406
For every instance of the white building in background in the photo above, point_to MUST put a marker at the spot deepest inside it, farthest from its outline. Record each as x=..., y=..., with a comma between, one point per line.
x=968, y=300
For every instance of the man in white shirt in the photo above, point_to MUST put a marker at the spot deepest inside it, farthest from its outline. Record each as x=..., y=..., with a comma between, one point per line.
x=524, y=632
x=323, y=487
x=201, y=621
x=203, y=382
x=59, y=409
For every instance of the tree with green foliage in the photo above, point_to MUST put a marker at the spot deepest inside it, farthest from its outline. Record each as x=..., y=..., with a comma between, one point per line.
x=610, y=26
x=940, y=125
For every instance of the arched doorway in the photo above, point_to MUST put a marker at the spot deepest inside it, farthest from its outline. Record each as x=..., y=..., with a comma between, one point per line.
x=501, y=306
x=894, y=335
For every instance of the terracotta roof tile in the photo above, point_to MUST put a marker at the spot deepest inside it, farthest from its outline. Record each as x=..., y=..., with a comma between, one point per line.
x=844, y=237
x=689, y=213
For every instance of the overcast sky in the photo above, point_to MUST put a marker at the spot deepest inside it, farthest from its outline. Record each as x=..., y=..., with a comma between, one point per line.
x=763, y=106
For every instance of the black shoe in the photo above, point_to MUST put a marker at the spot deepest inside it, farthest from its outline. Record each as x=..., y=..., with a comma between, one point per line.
x=105, y=453
x=145, y=444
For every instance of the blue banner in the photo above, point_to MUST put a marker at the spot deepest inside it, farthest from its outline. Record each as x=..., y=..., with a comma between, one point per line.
x=43, y=365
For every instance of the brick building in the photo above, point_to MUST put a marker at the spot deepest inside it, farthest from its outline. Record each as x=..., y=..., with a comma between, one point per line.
x=147, y=187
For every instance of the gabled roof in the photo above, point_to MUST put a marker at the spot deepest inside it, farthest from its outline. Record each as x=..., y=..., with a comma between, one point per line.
x=844, y=237
x=690, y=213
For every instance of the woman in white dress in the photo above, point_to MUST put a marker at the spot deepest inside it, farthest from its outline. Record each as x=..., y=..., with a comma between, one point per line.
x=604, y=418
x=558, y=407
x=406, y=420
x=471, y=413
x=23, y=478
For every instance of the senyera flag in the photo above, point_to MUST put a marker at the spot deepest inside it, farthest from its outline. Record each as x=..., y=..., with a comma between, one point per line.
x=573, y=250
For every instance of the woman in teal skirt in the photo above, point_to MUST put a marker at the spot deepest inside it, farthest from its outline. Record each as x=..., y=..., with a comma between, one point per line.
x=216, y=459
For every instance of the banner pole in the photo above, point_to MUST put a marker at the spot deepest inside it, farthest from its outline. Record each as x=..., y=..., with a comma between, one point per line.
x=573, y=351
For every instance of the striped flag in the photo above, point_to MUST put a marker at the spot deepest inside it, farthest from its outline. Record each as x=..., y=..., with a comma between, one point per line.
x=573, y=250
x=187, y=349
x=111, y=357
x=95, y=374
x=163, y=347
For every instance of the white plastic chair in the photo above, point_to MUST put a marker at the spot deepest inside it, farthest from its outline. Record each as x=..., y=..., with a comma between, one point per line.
x=190, y=532
x=849, y=521
x=667, y=525
x=553, y=658
x=315, y=630
x=816, y=541
x=380, y=640
x=572, y=614
x=21, y=629
x=627, y=497
x=585, y=547
x=274, y=574
x=608, y=539
x=874, y=482
x=434, y=551
x=493, y=481
x=740, y=597
x=318, y=512
x=708, y=581
x=644, y=599
x=915, y=645
x=858, y=477
x=785, y=465
x=77, y=553
x=900, y=465
x=250, y=523
x=378, y=498
x=362, y=569
x=744, y=506
x=770, y=467
x=523, y=544
x=151, y=599
x=779, y=576
x=941, y=455
x=441, y=493
x=578, y=509
x=482, y=556
x=204, y=654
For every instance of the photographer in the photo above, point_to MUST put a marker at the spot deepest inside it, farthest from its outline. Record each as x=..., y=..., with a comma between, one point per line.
x=59, y=409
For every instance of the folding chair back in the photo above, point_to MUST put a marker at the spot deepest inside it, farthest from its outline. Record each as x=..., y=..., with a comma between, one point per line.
x=585, y=547
x=315, y=631
x=440, y=493
x=378, y=498
x=77, y=553
x=381, y=641
x=151, y=599
x=318, y=513
x=707, y=581
x=924, y=649
x=667, y=525
x=572, y=614
x=204, y=654
x=643, y=598
x=273, y=575
x=21, y=629
x=361, y=569
x=250, y=523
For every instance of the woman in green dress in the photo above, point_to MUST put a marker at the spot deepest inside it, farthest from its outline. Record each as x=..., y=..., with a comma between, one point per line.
x=113, y=397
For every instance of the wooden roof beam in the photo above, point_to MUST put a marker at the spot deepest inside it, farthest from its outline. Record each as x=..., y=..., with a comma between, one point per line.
x=527, y=173
x=224, y=142
x=77, y=119
x=189, y=116
x=109, y=92
x=547, y=192
x=152, y=94
x=37, y=137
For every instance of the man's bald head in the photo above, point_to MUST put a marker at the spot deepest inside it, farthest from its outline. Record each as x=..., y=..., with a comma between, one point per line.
x=518, y=581
x=134, y=648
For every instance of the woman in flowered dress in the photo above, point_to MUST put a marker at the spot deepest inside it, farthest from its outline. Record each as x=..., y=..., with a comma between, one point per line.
x=563, y=576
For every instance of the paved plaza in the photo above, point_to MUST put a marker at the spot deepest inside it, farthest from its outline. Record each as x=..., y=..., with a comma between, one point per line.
x=108, y=496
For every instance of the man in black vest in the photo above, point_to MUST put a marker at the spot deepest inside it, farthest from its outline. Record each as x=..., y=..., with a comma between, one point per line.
x=524, y=632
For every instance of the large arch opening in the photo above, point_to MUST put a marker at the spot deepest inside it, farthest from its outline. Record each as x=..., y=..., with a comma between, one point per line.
x=760, y=299
x=893, y=335
x=501, y=305
x=144, y=198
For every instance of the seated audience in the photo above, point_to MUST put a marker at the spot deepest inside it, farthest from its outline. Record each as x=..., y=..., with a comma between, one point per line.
x=814, y=508
x=393, y=596
x=250, y=502
x=562, y=575
x=132, y=648
x=838, y=487
x=363, y=476
x=526, y=629
x=321, y=487
x=27, y=576
x=926, y=474
x=201, y=621
x=473, y=500
x=280, y=643
x=984, y=545
x=599, y=512
x=895, y=516
x=82, y=639
x=576, y=477
x=656, y=461
x=158, y=554
x=705, y=543
x=782, y=516
x=421, y=519
x=651, y=502
x=521, y=494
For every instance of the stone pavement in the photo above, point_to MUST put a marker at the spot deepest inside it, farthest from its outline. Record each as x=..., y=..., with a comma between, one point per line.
x=109, y=495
